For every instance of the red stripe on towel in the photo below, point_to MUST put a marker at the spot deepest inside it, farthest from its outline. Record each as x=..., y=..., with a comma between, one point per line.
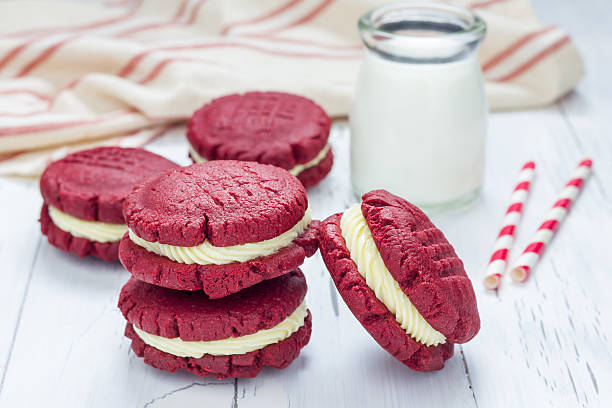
x=306, y=18
x=25, y=91
x=290, y=4
x=17, y=130
x=43, y=56
x=533, y=61
x=514, y=47
x=135, y=61
x=177, y=15
x=81, y=27
x=484, y=4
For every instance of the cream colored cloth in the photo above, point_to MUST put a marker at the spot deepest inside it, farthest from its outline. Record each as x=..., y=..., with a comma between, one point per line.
x=75, y=75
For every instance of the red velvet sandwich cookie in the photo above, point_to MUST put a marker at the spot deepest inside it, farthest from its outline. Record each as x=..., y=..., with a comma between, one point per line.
x=285, y=130
x=264, y=325
x=83, y=194
x=219, y=226
x=401, y=278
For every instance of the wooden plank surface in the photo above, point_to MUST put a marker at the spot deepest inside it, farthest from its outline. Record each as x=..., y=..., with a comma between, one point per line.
x=20, y=241
x=545, y=343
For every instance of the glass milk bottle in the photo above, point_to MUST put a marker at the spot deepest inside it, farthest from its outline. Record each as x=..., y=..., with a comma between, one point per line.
x=418, y=120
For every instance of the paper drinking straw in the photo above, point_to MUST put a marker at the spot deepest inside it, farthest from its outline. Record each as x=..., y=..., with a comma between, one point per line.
x=497, y=263
x=532, y=253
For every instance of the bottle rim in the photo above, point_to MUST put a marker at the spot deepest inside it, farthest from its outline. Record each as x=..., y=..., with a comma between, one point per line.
x=473, y=28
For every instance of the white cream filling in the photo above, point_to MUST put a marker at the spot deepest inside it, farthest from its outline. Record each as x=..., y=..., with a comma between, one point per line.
x=206, y=253
x=92, y=230
x=295, y=171
x=371, y=266
x=229, y=346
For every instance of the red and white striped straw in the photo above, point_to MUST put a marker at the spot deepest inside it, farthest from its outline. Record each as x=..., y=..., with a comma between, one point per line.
x=554, y=218
x=497, y=263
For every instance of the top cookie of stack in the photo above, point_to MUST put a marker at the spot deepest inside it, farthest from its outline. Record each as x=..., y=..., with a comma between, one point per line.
x=219, y=227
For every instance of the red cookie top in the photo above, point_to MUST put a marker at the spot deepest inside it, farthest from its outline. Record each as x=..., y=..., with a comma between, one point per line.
x=192, y=316
x=267, y=127
x=229, y=202
x=92, y=184
x=424, y=264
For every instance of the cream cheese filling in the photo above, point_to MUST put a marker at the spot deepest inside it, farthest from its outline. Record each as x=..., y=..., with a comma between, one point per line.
x=206, y=253
x=229, y=346
x=92, y=230
x=371, y=266
x=295, y=171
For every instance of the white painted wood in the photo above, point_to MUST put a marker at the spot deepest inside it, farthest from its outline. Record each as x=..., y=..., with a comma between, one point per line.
x=545, y=343
x=19, y=243
x=70, y=347
x=69, y=322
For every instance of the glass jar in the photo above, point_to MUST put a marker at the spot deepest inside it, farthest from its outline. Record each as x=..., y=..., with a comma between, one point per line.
x=419, y=117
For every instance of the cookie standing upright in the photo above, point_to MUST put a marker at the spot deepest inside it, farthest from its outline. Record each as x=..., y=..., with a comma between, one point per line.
x=401, y=279
x=286, y=130
x=219, y=226
x=83, y=195
x=262, y=326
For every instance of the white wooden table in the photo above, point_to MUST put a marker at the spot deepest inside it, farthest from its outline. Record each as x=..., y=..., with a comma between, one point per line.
x=545, y=343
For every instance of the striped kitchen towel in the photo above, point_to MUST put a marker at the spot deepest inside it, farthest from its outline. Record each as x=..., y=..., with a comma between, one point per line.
x=79, y=74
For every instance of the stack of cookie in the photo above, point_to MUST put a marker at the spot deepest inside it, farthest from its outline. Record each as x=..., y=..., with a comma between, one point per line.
x=214, y=250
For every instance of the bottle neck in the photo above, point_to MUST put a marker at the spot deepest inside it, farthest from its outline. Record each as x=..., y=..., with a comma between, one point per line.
x=421, y=33
x=422, y=53
x=462, y=61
